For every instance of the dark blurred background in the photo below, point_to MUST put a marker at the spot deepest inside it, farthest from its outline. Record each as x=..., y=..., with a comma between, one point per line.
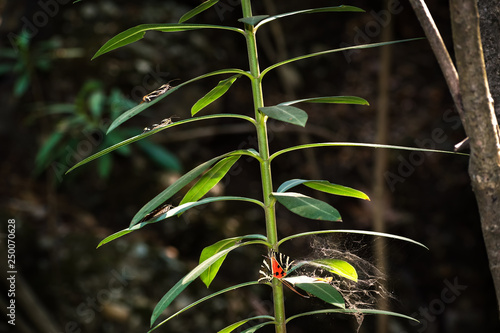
x=56, y=105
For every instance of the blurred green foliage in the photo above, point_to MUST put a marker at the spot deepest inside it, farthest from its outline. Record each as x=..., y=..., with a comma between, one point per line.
x=80, y=130
x=24, y=59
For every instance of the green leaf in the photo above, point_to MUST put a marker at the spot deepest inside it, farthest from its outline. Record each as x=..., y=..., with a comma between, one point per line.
x=188, y=205
x=362, y=311
x=252, y=20
x=115, y=139
x=330, y=100
x=288, y=114
x=145, y=135
x=136, y=33
x=341, y=8
x=59, y=109
x=141, y=107
x=96, y=103
x=175, y=211
x=209, y=275
x=105, y=165
x=355, y=144
x=323, y=291
x=290, y=184
x=354, y=47
x=206, y=298
x=178, y=185
x=46, y=152
x=214, y=94
x=195, y=11
x=168, y=298
x=121, y=233
x=308, y=207
x=105, y=151
x=337, y=266
x=323, y=186
x=210, y=179
x=160, y=155
x=22, y=84
x=362, y=232
x=257, y=327
x=234, y=326
x=327, y=187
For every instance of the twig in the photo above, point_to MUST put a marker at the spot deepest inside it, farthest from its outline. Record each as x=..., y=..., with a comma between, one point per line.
x=440, y=51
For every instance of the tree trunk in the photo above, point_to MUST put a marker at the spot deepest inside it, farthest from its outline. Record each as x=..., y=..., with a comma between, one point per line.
x=480, y=124
x=489, y=21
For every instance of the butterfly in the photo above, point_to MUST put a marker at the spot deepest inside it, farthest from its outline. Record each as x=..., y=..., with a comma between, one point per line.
x=158, y=92
x=278, y=269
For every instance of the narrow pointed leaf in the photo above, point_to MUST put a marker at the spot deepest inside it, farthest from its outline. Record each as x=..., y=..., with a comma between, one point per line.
x=362, y=232
x=168, y=298
x=257, y=327
x=290, y=184
x=362, y=311
x=145, y=135
x=214, y=94
x=327, y=187
x=46, y=152
x=341, y=8
x=323, y=291
x=210, y=179
x=195, y=11
x=205, y=299
x=120, y=234
x=178, y=185
x=136, y=33
x=324, y=186
x=330, y=100
x=188, y=205
x=355, y=144
x=287, y=114
x=209, y=275
x=308, y=207
x=355, y=47
x=234, y=326
x=173, y=189
x=337, y=266
x=141, y=107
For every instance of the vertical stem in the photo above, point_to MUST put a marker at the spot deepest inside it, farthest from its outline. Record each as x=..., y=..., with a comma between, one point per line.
x=265, y=167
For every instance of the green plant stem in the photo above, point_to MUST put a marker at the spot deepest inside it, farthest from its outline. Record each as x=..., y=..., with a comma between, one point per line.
x=265, y=167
